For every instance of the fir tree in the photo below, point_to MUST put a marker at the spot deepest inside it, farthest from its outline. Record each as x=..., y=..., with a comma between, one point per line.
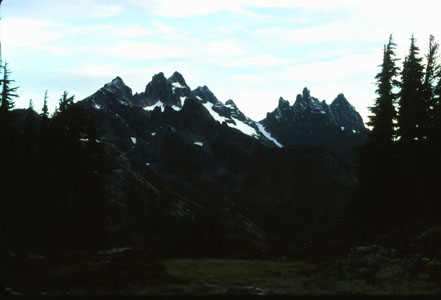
x=378, y=160
x=412, y=119
x=429, y=91
x=413, y=128
x=436, y=115
x=44, y=123
x=8, y=92
x=383, y=112
x=29, y=142
x=65, y=102
x=45, y=110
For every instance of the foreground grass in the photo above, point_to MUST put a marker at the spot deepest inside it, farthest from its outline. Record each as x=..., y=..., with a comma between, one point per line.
x=254, y=277
x=374, y=270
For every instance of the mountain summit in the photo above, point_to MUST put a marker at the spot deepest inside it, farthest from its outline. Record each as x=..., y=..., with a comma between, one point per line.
x=308, y=122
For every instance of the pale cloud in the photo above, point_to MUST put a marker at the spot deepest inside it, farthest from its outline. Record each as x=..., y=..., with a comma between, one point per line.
x=189, y=8
x=345, y=67
x=102, y=70
x=28, y=32
x=263, y=60
x=246, y=78
x=309, y=4
x=132, y=32
x=142, y=51
x=223, y=48
x=179, y=8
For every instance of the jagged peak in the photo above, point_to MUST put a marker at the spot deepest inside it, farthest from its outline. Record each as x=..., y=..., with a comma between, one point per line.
x=205, y=93
x=117, y=81
x=157, y=79
x=177, y=77
x=283, y=103
x=341, y=97
x=340, y=101
x=304, y=102
x=203, y=88
x=158, y=76
x=117, y=86
x=230, y=102
x=306, y=93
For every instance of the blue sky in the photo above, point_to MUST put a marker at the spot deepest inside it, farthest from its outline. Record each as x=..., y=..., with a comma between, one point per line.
x=252, y=51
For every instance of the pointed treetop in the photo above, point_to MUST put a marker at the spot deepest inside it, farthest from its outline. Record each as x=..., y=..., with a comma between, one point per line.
x=65, y=102
x=45, y=110
x=8, y=92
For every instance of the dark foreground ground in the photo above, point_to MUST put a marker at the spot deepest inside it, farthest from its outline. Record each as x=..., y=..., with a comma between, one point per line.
x=369, y=269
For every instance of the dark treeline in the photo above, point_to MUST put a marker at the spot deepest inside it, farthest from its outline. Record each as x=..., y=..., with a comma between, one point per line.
x=400, y=164
x=52, y=177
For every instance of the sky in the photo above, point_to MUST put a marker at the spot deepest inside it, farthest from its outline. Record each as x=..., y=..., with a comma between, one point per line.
x=251, y=51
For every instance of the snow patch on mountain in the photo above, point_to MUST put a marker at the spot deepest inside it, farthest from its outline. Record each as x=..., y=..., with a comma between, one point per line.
x=199, y=144
x=96, y=106
x=177, y=85
x=133, y=140
x=157, y=104
x=244, y=128
x=268, y=135
x=215, y=115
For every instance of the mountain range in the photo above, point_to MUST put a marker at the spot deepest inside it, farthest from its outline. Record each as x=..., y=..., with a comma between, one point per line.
x=191, y=172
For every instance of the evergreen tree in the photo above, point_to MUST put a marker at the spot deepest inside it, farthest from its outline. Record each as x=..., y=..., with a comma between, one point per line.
x=65, y=102
x=413, y=124
x=412, y=119
x=378, y=160
x=44, y=123
x=8, y=159
x=383, y=111
x=45, y=110
x=8, y=92
x=29, y=142
x=436, y=115
x=429, y=91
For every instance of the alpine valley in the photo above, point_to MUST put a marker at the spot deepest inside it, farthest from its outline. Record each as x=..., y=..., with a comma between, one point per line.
x=194, y=176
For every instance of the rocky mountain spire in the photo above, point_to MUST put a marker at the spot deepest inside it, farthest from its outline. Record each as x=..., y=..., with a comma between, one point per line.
x=283, y=104
x=204, y=93
x=160, y=89
x=178, y=78
x=118, y=88
x=345, y=114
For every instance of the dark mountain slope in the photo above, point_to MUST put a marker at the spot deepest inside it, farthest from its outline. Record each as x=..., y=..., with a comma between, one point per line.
x=182, y=163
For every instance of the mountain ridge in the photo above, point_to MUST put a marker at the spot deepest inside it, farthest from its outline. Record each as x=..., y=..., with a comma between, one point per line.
x=162, y=92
